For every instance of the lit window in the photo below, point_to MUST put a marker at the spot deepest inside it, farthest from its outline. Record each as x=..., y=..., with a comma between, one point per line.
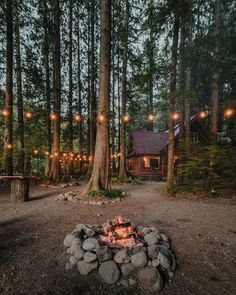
x=150, y=163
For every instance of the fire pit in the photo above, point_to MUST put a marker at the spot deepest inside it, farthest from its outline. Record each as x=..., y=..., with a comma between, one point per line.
x=122, y=253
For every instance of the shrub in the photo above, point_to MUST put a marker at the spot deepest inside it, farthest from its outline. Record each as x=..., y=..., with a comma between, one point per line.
x=108, y=193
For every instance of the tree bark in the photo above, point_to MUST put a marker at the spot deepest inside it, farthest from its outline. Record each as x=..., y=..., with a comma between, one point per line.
x=8, y=136
x=19, y=190
x=47, y=87
x=55, y=166
x=122, y=166
x=171, y=108
x=215, y=76
x=20, y=111
x=100, y=175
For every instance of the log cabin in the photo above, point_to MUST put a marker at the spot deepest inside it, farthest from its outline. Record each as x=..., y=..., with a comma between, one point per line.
x=147, y=157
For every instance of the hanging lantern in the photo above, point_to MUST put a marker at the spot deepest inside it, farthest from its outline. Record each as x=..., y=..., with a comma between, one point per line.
x=5, y=113
x=9, y=146
x=36, y=152
x=101, y=118
x=28, y=115
x=47, y=153
x=175, y=116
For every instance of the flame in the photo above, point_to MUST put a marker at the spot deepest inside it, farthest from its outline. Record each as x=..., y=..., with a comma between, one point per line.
x=119, y=232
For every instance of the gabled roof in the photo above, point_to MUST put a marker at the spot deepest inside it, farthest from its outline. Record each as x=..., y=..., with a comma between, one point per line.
x=148, y=142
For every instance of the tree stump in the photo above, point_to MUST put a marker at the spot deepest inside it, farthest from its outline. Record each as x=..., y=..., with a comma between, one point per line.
x=19, y=190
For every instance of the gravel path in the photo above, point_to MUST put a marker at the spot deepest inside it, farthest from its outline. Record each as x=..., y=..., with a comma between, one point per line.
x=32, y=260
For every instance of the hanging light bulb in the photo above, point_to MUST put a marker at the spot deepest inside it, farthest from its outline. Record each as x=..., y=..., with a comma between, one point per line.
x=101, y=118
x=151, y=117
x=125, y=118
x=53, y=117
x=47, y=153
x=36, y=152
x=77, y=118
x=5, y=113
x=202, y=114
x=28, y=115
x=229, y=112
x=56, y=154
x=9, y=146
x=175, y=116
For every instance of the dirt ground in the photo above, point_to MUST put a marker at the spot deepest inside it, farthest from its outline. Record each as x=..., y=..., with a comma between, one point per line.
x=32, y=259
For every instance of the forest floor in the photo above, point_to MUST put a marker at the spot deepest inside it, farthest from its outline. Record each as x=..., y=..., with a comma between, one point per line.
x=32, y=259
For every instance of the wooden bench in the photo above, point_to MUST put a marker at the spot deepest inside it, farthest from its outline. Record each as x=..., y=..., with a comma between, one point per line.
x=19, y=187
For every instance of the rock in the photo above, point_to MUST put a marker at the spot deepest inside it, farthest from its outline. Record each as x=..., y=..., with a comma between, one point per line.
x=61, y=197
x=75, y=247
x=90, y=244
x=89, y=256
x=146, y=230
x=73, y=260
x=126, y=269
x=104, y=253
x=164, y=238
x=124, y=283
x=122, y=256
x=170, y=273
x=150, y=279
x=155, y=262
x=68, y=240
x=139, y=259
x=70, y=198
x=153, y=251
x=169, y=258
x=69, y=265
x=137, y=248
x=109, y=272
x=79, y=253
x=163, y=260
x=85, y=268
x=88, y=231
x=165, y=244
x=132, y=282
x=152, y=238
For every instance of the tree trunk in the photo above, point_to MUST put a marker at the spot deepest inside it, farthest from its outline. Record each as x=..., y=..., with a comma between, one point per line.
x=47, y=87
x=55, y=166
x=122, y=166
x=20, y=112
x=215, y=76
x=92, y=93
x=70, y=96
x=80, y=147
x=19, y=190
x=8, y=136
x=171, y=108
x=100, y=175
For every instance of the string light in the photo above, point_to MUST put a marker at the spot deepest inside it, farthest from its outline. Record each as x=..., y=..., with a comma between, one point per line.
x=53, y=117
x=56, y=154
x=64, y=154
x=151, y=118
x=202, y=114
x=101, y=118
x=228, y=113
x=5, y=113
x=125, y=118
x=36, y=152
x=77, y=118
x=9, y=146
x=175, y=116
x=28, y=115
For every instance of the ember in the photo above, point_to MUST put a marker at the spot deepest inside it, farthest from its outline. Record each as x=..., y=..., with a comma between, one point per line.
x=119, y=232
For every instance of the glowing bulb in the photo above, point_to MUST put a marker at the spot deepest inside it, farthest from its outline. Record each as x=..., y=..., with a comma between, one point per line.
x=175, y=116
x=56, y=154
x=9, y=146
x=36, y=152
x=77, y=118
x=101, y=118
x=64, y=154
x=203, y=114
x=29, y=115
x=125, y=118
x=53, y=117
x=47, y=153
x=151, y=117
x=5, y=113
x=228, y=112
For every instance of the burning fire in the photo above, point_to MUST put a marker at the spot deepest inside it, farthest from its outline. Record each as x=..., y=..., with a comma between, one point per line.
x=119, y=232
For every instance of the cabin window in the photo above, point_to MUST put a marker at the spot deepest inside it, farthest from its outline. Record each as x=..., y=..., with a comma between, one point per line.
x=151, y=163
x=194, y=137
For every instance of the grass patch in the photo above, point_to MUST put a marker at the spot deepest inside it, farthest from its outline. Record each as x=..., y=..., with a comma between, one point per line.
x=108, y=193
x=127, y=180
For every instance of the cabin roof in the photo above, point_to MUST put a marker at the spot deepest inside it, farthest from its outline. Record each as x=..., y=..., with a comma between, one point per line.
x=151, y=143
x=148, y=142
